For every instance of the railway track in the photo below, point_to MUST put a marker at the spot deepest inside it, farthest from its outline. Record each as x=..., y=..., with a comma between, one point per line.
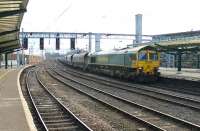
x=182, y=89
x=170, y=98
x=51, y=113
x=190, y=89
x=152, y=118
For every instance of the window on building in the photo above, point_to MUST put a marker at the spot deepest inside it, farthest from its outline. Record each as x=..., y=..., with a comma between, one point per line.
x=153, y=56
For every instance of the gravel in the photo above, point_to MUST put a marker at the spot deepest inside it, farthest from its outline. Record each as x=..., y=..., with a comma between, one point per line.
x=134, y=110
x=166, y=107
x=94, y=114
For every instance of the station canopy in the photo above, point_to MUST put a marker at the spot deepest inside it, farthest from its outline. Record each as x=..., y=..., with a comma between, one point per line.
x=185, y=41
x=11, y=14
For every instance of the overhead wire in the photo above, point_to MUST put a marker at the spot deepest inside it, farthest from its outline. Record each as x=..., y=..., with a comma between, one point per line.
x=56, y=19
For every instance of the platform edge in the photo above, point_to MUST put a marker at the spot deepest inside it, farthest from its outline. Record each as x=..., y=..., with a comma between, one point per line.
x=27, y=112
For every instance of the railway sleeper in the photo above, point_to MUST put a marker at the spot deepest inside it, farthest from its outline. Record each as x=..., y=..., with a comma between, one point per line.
x=49, y=110
x=55, y=117
x=70, y=128
x=52, y=114
x=53, y=125
x=58, y=121
x=44, y=100
x=46, y=106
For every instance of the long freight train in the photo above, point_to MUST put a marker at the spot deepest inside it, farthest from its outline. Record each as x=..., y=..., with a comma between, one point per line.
x=140, y=63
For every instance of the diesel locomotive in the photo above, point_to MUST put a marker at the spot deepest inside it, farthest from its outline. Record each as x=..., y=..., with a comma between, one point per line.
x=140, y=63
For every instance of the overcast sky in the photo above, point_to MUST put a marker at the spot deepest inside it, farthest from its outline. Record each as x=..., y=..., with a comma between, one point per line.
x=115, y=16
x=109, y=16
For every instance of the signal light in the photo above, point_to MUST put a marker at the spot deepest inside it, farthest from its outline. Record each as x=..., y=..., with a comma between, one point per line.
x=57, y=43
x=41, y=43
x=72, y=43
x=25, y=43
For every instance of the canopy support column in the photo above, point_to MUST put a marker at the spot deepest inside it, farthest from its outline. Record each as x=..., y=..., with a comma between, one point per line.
x=6, y=60
x=179, y=60
x=198, y=61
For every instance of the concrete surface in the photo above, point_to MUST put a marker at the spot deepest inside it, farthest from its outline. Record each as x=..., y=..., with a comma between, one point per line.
x=187, y=74
x=12, y=116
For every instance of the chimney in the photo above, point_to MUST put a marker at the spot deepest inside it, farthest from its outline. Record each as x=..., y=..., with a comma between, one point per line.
x=138, y=28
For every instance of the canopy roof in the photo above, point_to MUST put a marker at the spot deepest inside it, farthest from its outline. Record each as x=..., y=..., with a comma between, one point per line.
x=182, y=41
x=11, y=14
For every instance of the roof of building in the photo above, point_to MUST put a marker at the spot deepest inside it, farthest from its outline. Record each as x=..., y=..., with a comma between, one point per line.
x=11, y=14
x=186, y=33
x=185, y=41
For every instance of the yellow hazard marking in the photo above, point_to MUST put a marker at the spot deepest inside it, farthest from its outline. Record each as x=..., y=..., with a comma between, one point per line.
x=2, y=76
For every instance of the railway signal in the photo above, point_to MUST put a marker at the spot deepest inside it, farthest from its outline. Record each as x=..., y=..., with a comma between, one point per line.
x=41, y=43
x=25, y=43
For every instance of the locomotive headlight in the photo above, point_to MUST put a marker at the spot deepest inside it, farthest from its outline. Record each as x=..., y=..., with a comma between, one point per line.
x=140, y=68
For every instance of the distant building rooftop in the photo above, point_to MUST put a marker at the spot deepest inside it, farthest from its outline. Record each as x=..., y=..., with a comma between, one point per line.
x=178, y=35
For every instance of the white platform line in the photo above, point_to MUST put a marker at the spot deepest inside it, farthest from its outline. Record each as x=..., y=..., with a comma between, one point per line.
x=27, y=112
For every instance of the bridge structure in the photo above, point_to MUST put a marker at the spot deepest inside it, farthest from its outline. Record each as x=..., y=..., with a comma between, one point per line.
x=11, y=15
x=73, y=36
x=175, y=44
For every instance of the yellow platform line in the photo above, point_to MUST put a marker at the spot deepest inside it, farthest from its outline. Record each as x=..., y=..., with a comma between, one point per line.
x=2, y=76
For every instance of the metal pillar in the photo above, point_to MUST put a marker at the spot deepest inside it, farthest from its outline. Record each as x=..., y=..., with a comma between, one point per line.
x=23, y=58
x=179, y=60
x=11, y=61
x=175, y=60
x=18, y=60
x=6, y=61
x=90, y=41
x=0, y=59
x=72, y=43
x=198, y=61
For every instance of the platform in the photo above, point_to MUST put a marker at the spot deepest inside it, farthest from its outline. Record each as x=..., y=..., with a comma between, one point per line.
x=185, y=73
x=13, y=116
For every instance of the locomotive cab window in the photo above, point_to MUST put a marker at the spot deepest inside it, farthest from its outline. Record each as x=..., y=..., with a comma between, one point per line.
x=132, y=57
x=142, y=56
x=153, y=56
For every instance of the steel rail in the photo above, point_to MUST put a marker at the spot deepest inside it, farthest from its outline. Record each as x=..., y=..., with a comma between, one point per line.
x=152, y=126
x=141, y=92
x=174, y=119
x=187, y=123
x=139, y=87
x=34, y=105
x=81, y=125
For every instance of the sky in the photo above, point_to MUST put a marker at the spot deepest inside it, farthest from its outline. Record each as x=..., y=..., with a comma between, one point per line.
x=112, y=16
